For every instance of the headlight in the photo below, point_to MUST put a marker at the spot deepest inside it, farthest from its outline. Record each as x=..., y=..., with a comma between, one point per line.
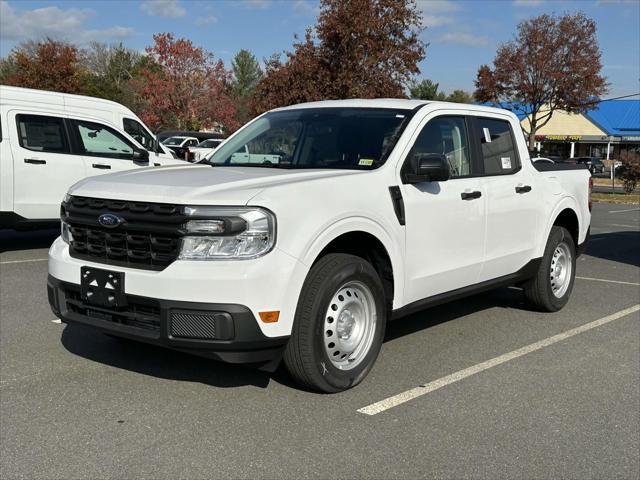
x=227, y=233
x=65, y=233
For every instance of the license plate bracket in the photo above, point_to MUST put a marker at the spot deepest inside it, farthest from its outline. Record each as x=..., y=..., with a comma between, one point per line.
x=103, y=288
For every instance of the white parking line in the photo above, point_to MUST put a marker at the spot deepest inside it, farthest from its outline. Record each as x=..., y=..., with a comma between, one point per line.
x=629, y=210
x=607, y=281
x=25, y=261
x=404, y=397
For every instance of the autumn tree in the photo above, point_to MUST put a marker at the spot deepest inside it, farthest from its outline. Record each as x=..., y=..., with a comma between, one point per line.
x=46, y=65
x=184, y=87
x=553, y=63
x=246, y=75
x=358, y=49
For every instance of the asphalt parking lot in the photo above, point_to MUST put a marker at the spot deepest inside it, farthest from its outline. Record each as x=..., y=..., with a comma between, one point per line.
x=493, y=389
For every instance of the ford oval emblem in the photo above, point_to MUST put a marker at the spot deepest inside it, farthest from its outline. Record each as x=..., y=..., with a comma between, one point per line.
x=109, y=220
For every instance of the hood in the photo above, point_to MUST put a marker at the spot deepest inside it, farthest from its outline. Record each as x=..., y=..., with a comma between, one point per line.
x=195, y=184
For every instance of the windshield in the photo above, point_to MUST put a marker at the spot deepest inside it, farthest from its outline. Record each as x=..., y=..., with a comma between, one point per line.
x=174, y=140
x=351, y=138
x=209, y=143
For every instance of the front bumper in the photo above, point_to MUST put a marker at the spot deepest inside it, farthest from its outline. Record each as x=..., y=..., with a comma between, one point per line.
x=226, y=332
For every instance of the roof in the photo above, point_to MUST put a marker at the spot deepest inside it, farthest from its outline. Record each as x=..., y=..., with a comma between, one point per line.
x=617, y=117
x=399, y=103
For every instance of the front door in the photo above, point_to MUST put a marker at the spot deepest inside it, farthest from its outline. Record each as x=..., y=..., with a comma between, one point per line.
x=445, y=221
x=43, y=165
x=104, y=149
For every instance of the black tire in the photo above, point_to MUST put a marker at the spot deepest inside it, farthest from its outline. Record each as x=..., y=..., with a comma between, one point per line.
x=538, y=290
x=306, y=357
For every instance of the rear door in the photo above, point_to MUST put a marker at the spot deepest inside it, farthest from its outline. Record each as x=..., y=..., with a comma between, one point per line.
x=43, y=164
x=445, y=221
x=103, y=148
x=512, y=203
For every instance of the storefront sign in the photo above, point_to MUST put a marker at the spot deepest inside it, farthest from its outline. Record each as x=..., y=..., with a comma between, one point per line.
x=559, y=138
x=631, y=139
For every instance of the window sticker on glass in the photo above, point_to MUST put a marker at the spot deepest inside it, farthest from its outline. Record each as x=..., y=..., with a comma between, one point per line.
x=365, y=162
x=506, y=162
x=487, y=135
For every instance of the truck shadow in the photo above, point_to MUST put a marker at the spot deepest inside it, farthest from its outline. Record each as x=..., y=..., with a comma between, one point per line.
x=510, y=297
x=27, y=240
x=621, y=247
x=158, y=362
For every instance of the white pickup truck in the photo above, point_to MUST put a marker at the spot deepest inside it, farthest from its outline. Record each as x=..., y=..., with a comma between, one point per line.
x=375, y=209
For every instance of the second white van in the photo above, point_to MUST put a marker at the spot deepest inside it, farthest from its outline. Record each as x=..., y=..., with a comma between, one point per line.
x=51, y=140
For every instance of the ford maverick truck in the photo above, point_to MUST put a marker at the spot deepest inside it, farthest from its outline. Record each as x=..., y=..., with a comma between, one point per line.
x=368, y=210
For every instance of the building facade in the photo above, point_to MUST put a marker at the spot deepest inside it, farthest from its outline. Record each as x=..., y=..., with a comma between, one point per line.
x=609, y=132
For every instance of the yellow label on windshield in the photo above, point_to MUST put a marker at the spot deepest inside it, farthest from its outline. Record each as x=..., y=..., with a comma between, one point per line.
x=365, y=162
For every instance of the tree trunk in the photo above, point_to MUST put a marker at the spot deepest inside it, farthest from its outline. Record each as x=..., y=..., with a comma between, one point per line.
x=533, y=127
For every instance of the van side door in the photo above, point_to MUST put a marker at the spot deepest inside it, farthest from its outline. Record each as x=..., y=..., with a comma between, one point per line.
x=44, y=166
x=512, y=201
x=445, y=220
x=103, y=148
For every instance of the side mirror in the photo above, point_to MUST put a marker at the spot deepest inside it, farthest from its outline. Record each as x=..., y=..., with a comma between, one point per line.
x=427, y=167
x=140, y=156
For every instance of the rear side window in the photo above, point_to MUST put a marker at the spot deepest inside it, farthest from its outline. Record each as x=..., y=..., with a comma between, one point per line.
x=101, y=141
x=138, y=132
x=42, y=133
x=498, y=147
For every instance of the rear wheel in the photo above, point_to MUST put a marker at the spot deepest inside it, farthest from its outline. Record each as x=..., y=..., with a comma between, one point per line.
x=339, y=324
x=550, y=289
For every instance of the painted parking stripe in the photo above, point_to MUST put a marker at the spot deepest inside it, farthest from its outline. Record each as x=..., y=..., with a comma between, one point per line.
x=408, y=395
x=607, y=281
x=628, y=210
x=24, y=261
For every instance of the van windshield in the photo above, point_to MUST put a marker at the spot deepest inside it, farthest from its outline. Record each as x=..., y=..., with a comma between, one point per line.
x=347, y=138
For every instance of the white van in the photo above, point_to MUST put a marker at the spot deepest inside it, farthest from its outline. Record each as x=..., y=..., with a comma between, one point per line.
x=51, y=140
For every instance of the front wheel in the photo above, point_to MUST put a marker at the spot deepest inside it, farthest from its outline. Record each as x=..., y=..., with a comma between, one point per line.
x=339, y=324
x=550, y=289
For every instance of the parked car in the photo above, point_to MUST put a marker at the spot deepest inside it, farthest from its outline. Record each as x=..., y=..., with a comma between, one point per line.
x=374, y=209
x=203, y=149
x=181, y=145
x=52, y=140
x=594, y=164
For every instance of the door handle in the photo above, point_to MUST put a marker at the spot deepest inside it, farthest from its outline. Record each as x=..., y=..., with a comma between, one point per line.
x=523, y=188
x=35, y=161
x=102, y=166
x=470, y=195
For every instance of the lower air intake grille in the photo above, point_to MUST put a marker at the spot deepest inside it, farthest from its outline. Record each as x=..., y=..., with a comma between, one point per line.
x=201, y=325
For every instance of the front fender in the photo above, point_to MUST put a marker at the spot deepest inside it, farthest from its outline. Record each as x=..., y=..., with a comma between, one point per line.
x=327, y=233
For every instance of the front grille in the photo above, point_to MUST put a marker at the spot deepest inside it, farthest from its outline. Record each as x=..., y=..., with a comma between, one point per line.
x=147, y=238
x=138, y=313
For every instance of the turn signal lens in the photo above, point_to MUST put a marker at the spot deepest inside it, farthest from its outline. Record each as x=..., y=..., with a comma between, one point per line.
x=269, y=317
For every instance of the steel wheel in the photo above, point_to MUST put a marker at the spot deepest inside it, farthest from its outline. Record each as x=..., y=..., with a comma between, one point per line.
x=561, y=266
x=350, y=325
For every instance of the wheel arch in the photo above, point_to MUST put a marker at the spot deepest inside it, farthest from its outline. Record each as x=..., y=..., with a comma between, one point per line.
x=565, y=214
x=365, y=239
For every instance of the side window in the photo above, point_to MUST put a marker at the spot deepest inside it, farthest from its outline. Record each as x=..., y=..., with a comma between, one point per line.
x=447, y=136
x=138, y=132
x=498, y=148
x=101, y=141
x=42, y=134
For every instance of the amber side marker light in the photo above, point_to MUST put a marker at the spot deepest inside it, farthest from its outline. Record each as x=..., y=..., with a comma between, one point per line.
x=269, y=317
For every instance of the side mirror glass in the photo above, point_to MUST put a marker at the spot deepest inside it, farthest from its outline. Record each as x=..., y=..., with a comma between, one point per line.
x=427, y=167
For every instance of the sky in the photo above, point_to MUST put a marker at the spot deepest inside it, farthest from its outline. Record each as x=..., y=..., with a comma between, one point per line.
x=462, y=34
